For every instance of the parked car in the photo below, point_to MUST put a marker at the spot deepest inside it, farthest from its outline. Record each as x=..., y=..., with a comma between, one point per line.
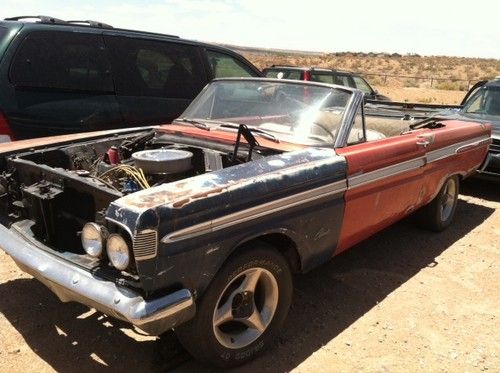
x=329, y=76
x=482, y=103
x=198, y=225
x=61, y=77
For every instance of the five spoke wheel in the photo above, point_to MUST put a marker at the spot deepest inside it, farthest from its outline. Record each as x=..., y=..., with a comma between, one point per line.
x=245, y=308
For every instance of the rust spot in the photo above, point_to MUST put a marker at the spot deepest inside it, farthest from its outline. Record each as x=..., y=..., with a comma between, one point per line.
x=180, y=203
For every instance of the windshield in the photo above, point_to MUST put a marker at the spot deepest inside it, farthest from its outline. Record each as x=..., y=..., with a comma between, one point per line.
x=293, y=112
x=485, y=101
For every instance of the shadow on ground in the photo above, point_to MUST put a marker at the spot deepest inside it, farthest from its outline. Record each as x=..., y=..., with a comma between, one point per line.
x=326, y=301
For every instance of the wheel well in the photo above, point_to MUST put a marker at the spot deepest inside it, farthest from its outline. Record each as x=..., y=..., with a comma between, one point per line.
x=284, y=244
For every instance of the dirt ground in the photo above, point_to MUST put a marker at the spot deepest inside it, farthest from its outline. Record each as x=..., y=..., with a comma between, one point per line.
x=422, y=95
x=403, y=301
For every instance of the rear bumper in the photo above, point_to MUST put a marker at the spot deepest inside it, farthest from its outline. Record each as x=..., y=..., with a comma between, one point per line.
x=74, y=284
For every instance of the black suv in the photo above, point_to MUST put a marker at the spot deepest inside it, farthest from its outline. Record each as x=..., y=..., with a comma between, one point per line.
x=329, y=76
x=60, y=77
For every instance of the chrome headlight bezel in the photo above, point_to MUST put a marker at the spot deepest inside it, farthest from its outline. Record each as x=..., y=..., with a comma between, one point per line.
x=118, y=251
x=93, y=238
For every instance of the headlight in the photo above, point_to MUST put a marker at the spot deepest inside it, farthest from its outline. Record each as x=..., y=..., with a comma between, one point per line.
x=93, y=237
x=118, y=252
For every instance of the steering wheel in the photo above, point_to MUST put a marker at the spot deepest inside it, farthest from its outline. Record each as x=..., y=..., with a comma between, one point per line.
x=324, y=129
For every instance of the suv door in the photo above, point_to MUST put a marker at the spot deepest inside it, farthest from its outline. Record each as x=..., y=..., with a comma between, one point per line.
x=155, y=79
x=58, y=82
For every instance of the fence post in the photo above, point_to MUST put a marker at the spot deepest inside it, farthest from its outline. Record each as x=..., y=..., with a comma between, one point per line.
x=432, y=80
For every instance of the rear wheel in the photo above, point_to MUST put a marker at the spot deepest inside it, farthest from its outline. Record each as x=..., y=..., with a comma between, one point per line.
x=438, y=214
x=242, y=310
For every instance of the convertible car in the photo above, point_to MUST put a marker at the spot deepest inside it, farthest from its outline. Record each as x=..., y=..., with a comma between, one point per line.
x=198, y=225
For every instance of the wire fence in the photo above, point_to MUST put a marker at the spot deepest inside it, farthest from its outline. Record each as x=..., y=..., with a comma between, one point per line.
x=420, y=81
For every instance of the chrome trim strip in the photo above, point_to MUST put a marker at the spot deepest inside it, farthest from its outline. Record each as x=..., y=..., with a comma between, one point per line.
x=382, y=173
x=256, y=212
x=448, y=151
x=471, y=146
x=121, y=225
x=308, y=196
x=415, y=163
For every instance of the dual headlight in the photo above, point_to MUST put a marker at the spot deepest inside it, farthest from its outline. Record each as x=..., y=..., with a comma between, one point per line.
x=95, y=237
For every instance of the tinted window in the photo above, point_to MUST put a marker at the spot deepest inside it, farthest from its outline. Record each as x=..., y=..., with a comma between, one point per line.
x=155, y=68
x=283, y=74
x=362, y=85
x=3, y=32
x=343, y=80
x=63, y=60
x=322, y=77
x=226, y=66
x=484, y=101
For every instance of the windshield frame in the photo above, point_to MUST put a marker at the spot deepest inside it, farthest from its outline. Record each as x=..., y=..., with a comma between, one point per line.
x=347, y=119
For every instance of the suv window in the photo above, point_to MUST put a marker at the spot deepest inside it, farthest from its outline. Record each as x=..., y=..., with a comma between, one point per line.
x=155, y=68
x=226, y=66
x=322, y=77
x=3, y=31
x=283, y=74
x=362, y=85
x=63, y=60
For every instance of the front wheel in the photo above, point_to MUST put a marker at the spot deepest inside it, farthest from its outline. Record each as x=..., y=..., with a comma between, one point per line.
x=438, y=214
x=242, y=310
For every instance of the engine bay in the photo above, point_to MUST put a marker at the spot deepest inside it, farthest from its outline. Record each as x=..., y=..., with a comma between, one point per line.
x=61, y=188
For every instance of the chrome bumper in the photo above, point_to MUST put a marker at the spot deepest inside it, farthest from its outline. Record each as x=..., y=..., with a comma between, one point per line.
x=73, y=284
x=492, y=161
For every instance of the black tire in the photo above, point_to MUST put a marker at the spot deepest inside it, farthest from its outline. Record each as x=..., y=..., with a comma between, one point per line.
x=214, y=344
x=439, y=213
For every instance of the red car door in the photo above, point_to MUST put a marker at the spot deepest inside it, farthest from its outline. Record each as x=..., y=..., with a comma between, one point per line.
x=385, y=180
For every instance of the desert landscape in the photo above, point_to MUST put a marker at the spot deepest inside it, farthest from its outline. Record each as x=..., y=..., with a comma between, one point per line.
x=402, y=301
x=411, y=78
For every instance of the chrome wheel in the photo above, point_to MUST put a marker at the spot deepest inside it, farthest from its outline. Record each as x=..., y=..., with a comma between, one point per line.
x=448, y=199
x=245, y=308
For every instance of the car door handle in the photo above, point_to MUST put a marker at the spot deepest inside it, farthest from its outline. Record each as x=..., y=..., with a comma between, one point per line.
x=424, y=140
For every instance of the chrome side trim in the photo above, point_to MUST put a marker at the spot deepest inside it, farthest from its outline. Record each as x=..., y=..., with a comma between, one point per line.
x=121, y=225
x=256, y=212
x=471, y=146
x=326, y=190
x=448, y=151
x=382, y=173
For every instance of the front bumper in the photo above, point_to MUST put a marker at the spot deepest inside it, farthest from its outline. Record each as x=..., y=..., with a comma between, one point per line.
x=74, y=284
x=491, y=165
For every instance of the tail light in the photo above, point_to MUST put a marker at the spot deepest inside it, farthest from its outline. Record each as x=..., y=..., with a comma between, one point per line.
x=6, y=134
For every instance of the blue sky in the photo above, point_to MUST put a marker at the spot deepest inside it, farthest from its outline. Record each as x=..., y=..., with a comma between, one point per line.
x=469, y=29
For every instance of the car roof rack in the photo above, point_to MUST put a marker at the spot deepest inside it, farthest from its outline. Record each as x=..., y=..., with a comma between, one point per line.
x=90, y=23
x=85, y=23
x=42, y=19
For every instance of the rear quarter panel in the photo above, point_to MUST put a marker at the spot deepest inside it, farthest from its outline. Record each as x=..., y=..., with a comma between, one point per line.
x=458, y=148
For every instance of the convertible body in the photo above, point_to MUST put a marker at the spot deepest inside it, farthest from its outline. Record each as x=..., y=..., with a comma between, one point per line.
x=290, y=166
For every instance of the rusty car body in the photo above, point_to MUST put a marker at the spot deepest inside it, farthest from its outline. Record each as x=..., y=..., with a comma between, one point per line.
x=281, y=176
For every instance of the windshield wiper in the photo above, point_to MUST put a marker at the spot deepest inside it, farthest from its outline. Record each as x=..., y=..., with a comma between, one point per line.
x=263, y=133
x=194, y=122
